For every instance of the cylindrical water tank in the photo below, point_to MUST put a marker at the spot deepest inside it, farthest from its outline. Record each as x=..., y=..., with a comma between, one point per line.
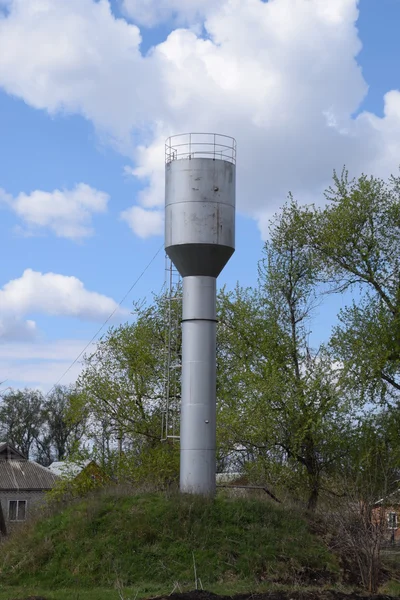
x=200, y=179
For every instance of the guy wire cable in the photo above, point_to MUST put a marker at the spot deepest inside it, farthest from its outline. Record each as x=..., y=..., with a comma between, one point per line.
x=108, y=319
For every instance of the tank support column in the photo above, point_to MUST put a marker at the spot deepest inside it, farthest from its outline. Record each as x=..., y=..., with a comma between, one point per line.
x=198, y=410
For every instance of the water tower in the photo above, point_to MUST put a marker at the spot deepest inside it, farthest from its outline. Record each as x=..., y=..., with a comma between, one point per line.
x=200, y=239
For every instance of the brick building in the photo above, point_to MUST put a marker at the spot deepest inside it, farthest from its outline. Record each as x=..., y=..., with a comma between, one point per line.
x=389, y=509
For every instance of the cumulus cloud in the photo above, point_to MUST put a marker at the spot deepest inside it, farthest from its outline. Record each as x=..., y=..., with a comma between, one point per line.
x=75, y=57
x=50, y=294
x=144, y=223
x=153, y=12
x=280, y=76
x=67, y=213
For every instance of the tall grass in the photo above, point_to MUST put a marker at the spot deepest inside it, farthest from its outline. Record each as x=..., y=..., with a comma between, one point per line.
x=158, y=540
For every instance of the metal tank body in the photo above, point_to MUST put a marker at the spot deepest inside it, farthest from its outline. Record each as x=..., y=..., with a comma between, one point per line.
x=199, y=239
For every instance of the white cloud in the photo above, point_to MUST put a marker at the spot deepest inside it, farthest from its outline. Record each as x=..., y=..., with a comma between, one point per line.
x=386, y=132
x=75, y=57
x=59, y=350
x=280, y=76
x=50, y=294
x=153, y=12
x=40, y=364
x=14, y=329
x=68, y=213
x=42, y=375
x=144, y=223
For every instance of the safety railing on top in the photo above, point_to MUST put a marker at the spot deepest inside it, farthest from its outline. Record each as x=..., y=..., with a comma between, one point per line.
x=200, y=145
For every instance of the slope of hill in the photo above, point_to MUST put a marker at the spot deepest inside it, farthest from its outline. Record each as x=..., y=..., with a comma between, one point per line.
x=158, y=541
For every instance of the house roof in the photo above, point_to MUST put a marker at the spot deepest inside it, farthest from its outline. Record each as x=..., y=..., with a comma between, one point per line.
x=393, y=498
x=69, y=469
x=25, y=475
x=9, y=452
x=19, y=473
x=227, y=477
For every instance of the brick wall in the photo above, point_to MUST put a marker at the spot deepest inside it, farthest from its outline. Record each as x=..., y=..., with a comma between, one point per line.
x=378, y=514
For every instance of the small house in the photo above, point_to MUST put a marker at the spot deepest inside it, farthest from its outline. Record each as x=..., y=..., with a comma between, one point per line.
x=390, y=508
x=78, y=477
x=23, y=485
x=73, y=470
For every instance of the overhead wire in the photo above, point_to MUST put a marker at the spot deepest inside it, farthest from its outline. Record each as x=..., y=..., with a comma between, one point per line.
x=108, y=319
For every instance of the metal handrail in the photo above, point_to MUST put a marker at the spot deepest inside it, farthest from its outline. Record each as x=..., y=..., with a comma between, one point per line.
x=197, y=145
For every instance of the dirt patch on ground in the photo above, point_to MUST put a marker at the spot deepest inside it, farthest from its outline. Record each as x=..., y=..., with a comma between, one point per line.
x=284, y=595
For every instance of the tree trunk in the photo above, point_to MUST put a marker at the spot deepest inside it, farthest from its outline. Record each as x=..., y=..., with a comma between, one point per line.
x=313, y=494
x=311, y=464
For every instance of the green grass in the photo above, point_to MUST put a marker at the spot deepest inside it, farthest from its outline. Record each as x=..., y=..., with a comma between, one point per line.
x=16, y=593
x=391, y=588
x=147, y=543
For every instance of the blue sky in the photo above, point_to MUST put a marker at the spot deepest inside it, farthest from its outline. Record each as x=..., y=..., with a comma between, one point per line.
x=84, y=100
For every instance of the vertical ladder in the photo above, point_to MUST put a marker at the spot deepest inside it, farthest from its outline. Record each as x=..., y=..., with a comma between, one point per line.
x=172, y=353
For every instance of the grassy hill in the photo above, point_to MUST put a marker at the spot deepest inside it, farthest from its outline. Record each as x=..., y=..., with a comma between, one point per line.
x=155, y=542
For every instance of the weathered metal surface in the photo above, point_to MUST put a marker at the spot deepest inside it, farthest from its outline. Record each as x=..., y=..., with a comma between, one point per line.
x=200, y=215
x=198, y=409
x=25, y=475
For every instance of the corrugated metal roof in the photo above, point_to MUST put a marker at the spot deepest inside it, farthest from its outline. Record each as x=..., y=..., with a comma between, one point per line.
x=394, y=498
x=25, y=475
x=68, y=469
x=227, y=477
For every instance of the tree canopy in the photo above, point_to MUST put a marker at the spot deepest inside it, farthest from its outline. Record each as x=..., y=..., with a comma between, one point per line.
x=306, y=421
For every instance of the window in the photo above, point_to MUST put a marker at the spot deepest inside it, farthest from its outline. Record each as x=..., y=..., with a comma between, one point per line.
x=392, y=520
x=17, y=510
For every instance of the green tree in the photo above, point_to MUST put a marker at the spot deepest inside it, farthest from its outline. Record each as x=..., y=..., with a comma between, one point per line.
x=371, y=469
x=61, y=431
x=369, y=474
x=123, y=384
x=21, y=419
x=281, y=404
x=356, y=238
x=239, y=346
